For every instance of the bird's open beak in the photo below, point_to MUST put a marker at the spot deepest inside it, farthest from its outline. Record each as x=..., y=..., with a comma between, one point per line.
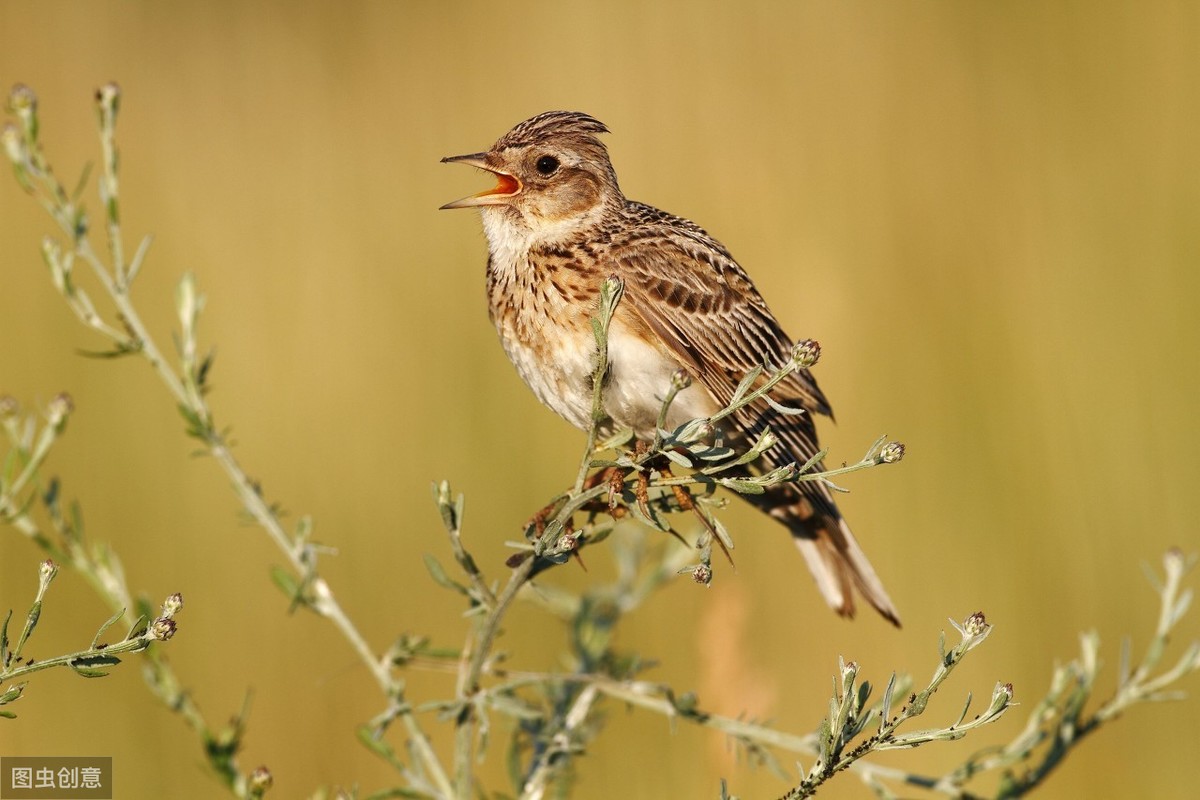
x=507, y=186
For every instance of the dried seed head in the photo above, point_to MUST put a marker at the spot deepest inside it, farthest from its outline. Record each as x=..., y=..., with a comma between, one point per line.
x=806, y=353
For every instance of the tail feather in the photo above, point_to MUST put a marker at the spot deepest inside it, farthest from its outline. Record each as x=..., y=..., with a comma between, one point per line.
x=837, y=562
x=830, y=550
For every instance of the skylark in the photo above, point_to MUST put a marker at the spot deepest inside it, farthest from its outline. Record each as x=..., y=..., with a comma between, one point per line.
x=557, y=225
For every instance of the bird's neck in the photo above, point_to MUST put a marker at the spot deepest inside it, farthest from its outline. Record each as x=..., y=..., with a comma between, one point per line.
x=511, y=236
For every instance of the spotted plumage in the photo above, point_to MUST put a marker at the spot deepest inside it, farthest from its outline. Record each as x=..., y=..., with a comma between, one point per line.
x=557, y=224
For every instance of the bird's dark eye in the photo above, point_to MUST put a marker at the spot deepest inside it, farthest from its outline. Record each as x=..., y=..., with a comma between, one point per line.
x=547, y=165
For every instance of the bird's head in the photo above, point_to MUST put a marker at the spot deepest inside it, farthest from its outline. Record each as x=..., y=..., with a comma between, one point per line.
x=553, y=174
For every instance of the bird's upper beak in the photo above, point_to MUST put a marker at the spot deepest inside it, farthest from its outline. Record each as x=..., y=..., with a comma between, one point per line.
x=507, y=185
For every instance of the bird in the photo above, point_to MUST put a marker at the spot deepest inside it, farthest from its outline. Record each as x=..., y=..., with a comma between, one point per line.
x=557, y=225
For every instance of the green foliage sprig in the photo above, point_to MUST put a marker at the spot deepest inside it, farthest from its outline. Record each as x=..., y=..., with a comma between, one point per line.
x=91, y=662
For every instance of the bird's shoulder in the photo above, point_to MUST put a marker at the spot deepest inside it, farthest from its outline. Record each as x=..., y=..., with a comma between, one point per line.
x=677, y=261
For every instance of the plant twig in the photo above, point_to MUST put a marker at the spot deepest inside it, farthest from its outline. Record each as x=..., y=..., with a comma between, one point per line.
x=131, y=336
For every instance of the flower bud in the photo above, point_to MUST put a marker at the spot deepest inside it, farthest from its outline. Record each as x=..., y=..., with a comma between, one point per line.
x=702, y=574
x=8, y=406
x=975, y=624
x=162, y=629
x=680, y=379
x=261, y=780
x=108, y=98
x=806, y=353
x=23, y=103
x=890, y=453
x=14, y=145
x=1175, y=563
x=46, y=572
x=1002, y=695
x=59, y=409
x=172, y=605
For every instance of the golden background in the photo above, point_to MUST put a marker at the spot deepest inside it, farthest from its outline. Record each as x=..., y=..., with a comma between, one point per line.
x=989, y=214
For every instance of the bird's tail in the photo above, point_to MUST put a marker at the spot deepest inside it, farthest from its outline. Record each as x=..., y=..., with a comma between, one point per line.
x=834, y=558
x=837, y=563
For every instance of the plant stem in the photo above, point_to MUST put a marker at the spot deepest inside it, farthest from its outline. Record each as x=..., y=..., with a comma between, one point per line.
x=470, y=672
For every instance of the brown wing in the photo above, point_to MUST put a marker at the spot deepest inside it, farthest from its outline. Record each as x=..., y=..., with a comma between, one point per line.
x=690, y=291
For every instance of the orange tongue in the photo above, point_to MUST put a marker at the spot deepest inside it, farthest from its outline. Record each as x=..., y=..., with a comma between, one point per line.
x=505, y=184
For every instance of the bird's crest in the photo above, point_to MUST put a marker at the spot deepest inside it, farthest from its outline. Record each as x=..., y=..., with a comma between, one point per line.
x=554, y=124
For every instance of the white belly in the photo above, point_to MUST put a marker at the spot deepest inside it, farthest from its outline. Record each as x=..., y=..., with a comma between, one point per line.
x=639, y=378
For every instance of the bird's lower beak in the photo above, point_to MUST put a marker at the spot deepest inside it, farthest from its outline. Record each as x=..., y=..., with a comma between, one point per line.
x=507, y=186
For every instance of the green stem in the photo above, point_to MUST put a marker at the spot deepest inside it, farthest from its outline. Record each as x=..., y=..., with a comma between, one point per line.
x=128, y=646
x=470, y=672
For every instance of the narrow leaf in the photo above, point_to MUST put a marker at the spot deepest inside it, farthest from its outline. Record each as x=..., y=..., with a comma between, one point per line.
x=782, y=409
x=885, y=709
x=745, y=385
x=440, y=577
x=678, y=458
x=108, y=624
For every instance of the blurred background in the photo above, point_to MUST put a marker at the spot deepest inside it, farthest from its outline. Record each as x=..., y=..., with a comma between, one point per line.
x=986, y=213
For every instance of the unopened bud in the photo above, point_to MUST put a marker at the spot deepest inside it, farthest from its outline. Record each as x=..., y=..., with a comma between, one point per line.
x=51, y=250
x=1002, y=695
x=46, y=572
x=680, y=380
x=1175, y=563
x=806, y=353
x=23, y=102
x=14, y=145
x=59, y=409
x=975, y=624
x=890, y=453
x=162, y=629
x=261, y=780
x=8, y=406
x=702, y=574
x=108, y=98
x=172, y=605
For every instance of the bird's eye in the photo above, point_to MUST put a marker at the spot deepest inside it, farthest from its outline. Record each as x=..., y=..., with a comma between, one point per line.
x=547, y=165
